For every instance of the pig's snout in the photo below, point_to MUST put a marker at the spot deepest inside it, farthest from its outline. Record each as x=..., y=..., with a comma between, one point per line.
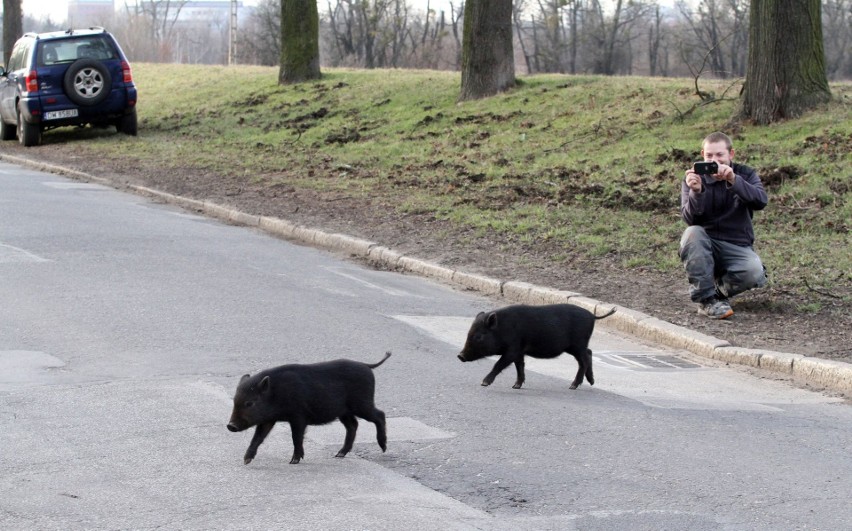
x=461, y=356
x=233, y=427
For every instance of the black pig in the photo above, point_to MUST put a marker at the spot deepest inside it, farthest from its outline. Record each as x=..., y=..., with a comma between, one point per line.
x=307, y=395
x=537, y=331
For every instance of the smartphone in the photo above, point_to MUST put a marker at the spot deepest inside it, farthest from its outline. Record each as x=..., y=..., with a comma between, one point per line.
x=706, y=168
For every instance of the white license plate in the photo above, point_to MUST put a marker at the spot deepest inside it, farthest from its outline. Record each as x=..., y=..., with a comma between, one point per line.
x=56, y=115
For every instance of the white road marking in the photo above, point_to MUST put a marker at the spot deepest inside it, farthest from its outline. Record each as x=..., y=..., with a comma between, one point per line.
x=390, y=291
x=10, y=254
x=74, y=186
x=25, y=366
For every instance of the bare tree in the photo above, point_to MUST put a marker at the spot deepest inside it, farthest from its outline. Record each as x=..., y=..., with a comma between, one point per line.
x=655, y=39
x=13, y=24
x=786, y=61
x=299, y=41
x=488, y=60
x=260, y=41
x=520, y=30
x=358, y=29
x=158, y=19
x=434, y=41
x=738, y=10
x=456, y=14
x=370, y=14
x=837, y=25
x=385, y=33
x=550, y=39
x=718, y=26
x=574, y=7
x=610, y=32
x=707, y=28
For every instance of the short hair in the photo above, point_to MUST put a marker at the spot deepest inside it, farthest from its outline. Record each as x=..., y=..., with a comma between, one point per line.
x=718, y=137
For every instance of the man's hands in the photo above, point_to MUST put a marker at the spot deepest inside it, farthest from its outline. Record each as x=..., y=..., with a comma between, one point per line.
x=726, y=173
x=693, y=180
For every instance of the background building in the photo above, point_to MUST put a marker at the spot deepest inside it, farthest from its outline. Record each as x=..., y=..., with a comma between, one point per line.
x=85, y=13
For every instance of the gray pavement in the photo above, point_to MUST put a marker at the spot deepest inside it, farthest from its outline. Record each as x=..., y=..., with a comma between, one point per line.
x=127, y=323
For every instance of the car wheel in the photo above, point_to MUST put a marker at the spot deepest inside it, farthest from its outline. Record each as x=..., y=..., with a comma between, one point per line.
x=87, y=82
x=127, y=124
x=7, y=132
x=28, y=134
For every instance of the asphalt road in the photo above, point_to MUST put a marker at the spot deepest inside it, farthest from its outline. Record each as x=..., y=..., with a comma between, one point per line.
x=125, y=326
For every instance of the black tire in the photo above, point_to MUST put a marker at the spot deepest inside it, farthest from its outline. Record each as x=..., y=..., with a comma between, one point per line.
x=127, y=124
x=7, y=131
x=87, y=82
x=28, y=134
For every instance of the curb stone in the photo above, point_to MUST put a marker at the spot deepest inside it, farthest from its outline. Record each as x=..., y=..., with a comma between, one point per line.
x=830, y=375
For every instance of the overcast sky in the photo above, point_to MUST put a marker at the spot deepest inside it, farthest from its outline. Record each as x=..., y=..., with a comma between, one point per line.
x=58, y=9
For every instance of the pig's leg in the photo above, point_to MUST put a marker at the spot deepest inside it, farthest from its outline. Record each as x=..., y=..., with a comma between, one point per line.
x=297, y=428
x=369, y=412
x=351, y=424
x=519, y=367
x=260, y=433
x=590, y=376
x=584, y=361
x=381, y=428
x=501, y=364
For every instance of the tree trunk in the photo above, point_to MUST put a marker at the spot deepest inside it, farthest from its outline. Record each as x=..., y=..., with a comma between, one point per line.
x=786, y=61
x=488, y=59
x=299, y=41
x=13, y=20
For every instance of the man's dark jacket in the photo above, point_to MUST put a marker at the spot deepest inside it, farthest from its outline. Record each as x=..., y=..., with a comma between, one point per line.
x=725, y=210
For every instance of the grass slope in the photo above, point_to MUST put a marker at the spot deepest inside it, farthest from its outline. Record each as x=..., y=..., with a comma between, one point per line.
x=592, y=163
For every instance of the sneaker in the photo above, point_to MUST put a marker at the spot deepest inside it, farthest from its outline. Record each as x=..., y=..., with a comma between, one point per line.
x=715, y=308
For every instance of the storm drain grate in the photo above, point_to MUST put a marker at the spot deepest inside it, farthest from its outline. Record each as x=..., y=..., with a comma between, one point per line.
x=654, y=361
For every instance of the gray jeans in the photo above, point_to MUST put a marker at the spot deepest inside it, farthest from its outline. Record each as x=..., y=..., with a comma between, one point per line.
x=713, y=264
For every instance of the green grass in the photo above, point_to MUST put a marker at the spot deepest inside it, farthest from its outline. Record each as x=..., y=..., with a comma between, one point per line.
x=592, y=164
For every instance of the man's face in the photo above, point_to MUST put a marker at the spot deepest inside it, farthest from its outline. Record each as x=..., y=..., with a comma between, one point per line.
x=717, y=152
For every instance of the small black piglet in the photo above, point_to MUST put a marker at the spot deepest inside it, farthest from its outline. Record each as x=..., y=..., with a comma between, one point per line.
x=307, y=395
x=536, y=331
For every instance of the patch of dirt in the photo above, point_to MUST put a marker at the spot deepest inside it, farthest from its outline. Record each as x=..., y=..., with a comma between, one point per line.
x=816, y=321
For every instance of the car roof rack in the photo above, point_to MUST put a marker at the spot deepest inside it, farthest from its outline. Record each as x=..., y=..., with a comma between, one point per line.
x=70, y=31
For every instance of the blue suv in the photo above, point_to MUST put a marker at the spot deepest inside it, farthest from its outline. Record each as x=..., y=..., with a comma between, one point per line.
x=74, y=77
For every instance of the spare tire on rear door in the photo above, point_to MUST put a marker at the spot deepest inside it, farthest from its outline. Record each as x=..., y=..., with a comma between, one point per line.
x=87, y=82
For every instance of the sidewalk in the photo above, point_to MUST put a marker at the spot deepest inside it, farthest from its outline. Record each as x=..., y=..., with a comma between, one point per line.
x=829, y=375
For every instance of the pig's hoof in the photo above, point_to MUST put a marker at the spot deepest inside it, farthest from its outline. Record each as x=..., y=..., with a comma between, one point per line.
x=573, y=386
x=247, y=460
x=295, y=461
x=517, y=386
x=340, y=454
x=485, y=383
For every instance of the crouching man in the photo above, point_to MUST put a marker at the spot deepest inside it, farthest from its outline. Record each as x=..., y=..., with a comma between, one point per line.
x=718, y=200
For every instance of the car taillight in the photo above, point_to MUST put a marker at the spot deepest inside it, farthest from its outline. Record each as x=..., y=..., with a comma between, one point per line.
x=32, y=81
x=128, y=75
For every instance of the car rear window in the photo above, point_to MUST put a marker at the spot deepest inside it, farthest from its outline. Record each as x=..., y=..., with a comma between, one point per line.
x=69, y=50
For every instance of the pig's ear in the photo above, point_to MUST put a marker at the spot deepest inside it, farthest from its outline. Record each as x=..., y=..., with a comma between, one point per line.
x=491, y=320
x=244, y=378
x=264, y=385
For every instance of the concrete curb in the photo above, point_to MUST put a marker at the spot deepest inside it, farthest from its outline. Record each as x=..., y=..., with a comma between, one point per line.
x=830, y=375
